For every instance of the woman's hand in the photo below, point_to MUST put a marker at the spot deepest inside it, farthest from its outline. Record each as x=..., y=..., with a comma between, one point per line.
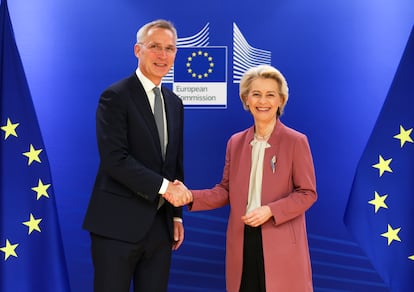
x=258, y=216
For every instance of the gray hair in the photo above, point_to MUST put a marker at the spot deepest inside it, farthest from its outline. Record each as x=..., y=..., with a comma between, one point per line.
x=159, y=23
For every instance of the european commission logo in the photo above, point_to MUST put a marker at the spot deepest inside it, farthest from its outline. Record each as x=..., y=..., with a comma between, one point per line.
x=199, y=75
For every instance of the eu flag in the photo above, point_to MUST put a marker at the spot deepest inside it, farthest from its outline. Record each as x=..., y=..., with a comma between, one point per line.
x=200, y=64
x=31, y=250
x=380, y=210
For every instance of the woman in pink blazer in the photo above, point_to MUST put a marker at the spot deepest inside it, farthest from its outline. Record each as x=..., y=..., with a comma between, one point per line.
x=269, y=182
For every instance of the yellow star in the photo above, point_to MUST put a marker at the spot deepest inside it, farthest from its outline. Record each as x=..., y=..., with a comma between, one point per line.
x=404, y=136
x=378, y=202
x=383, y=165
x=392, y=234
x=33, y=155
x=9, y=129
x=41, y=189
x=9, y=249
x=33, y=224
x=411, y=257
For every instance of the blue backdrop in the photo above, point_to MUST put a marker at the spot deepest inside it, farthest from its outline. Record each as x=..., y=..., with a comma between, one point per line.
x=339, y=58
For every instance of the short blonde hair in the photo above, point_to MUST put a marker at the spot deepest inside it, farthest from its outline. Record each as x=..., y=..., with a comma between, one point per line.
x=159, y=23
x=266, y=72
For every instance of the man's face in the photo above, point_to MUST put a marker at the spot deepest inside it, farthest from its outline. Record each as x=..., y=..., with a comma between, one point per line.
x=156, y=54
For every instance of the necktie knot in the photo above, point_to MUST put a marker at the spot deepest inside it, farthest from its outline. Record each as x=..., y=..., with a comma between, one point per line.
x=157, y=91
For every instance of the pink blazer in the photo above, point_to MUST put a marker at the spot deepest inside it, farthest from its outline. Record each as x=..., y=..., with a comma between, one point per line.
x=289, y=189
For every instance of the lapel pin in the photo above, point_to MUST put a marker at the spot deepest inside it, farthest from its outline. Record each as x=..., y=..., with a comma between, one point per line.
x=273, y=163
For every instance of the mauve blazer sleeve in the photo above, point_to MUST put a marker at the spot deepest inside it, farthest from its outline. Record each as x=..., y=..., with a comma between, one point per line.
x=295, y=176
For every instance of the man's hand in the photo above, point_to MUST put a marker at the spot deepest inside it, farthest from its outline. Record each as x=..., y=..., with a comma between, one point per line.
x=178, y=194
x=178, y=235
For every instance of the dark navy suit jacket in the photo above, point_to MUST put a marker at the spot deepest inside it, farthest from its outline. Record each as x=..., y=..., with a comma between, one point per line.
x=125, y=196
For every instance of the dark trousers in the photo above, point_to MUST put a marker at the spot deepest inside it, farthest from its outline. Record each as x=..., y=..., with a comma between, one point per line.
x=146, y=263
x=253, y=277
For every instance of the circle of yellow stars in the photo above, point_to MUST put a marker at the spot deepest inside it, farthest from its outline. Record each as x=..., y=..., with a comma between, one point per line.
x=191, y=58
x=383, y=165
x=41, y=189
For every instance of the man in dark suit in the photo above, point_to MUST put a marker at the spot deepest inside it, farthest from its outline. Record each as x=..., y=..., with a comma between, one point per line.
x=133, y=230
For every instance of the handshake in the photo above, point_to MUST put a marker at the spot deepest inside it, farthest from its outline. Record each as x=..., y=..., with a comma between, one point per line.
x=177, y=194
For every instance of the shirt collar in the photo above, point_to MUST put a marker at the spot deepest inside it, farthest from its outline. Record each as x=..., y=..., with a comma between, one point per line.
x=146, y=83
x=255, y=141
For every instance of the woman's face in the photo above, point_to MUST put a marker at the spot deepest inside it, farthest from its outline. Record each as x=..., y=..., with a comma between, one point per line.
x=263, y=100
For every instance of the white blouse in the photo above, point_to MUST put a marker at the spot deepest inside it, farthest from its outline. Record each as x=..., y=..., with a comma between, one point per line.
x=256, y=174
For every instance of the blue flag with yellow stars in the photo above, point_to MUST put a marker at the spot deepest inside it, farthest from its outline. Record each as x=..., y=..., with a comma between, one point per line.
x=200, y=64
x=31, y=250
x=380, y=210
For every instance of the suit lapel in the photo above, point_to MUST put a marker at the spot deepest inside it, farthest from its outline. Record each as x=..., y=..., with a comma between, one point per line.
x=270, y=163
x=170, y=118
x=140, y=99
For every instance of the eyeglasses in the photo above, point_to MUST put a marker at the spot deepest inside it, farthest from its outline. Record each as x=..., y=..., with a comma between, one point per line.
x=158, y=48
